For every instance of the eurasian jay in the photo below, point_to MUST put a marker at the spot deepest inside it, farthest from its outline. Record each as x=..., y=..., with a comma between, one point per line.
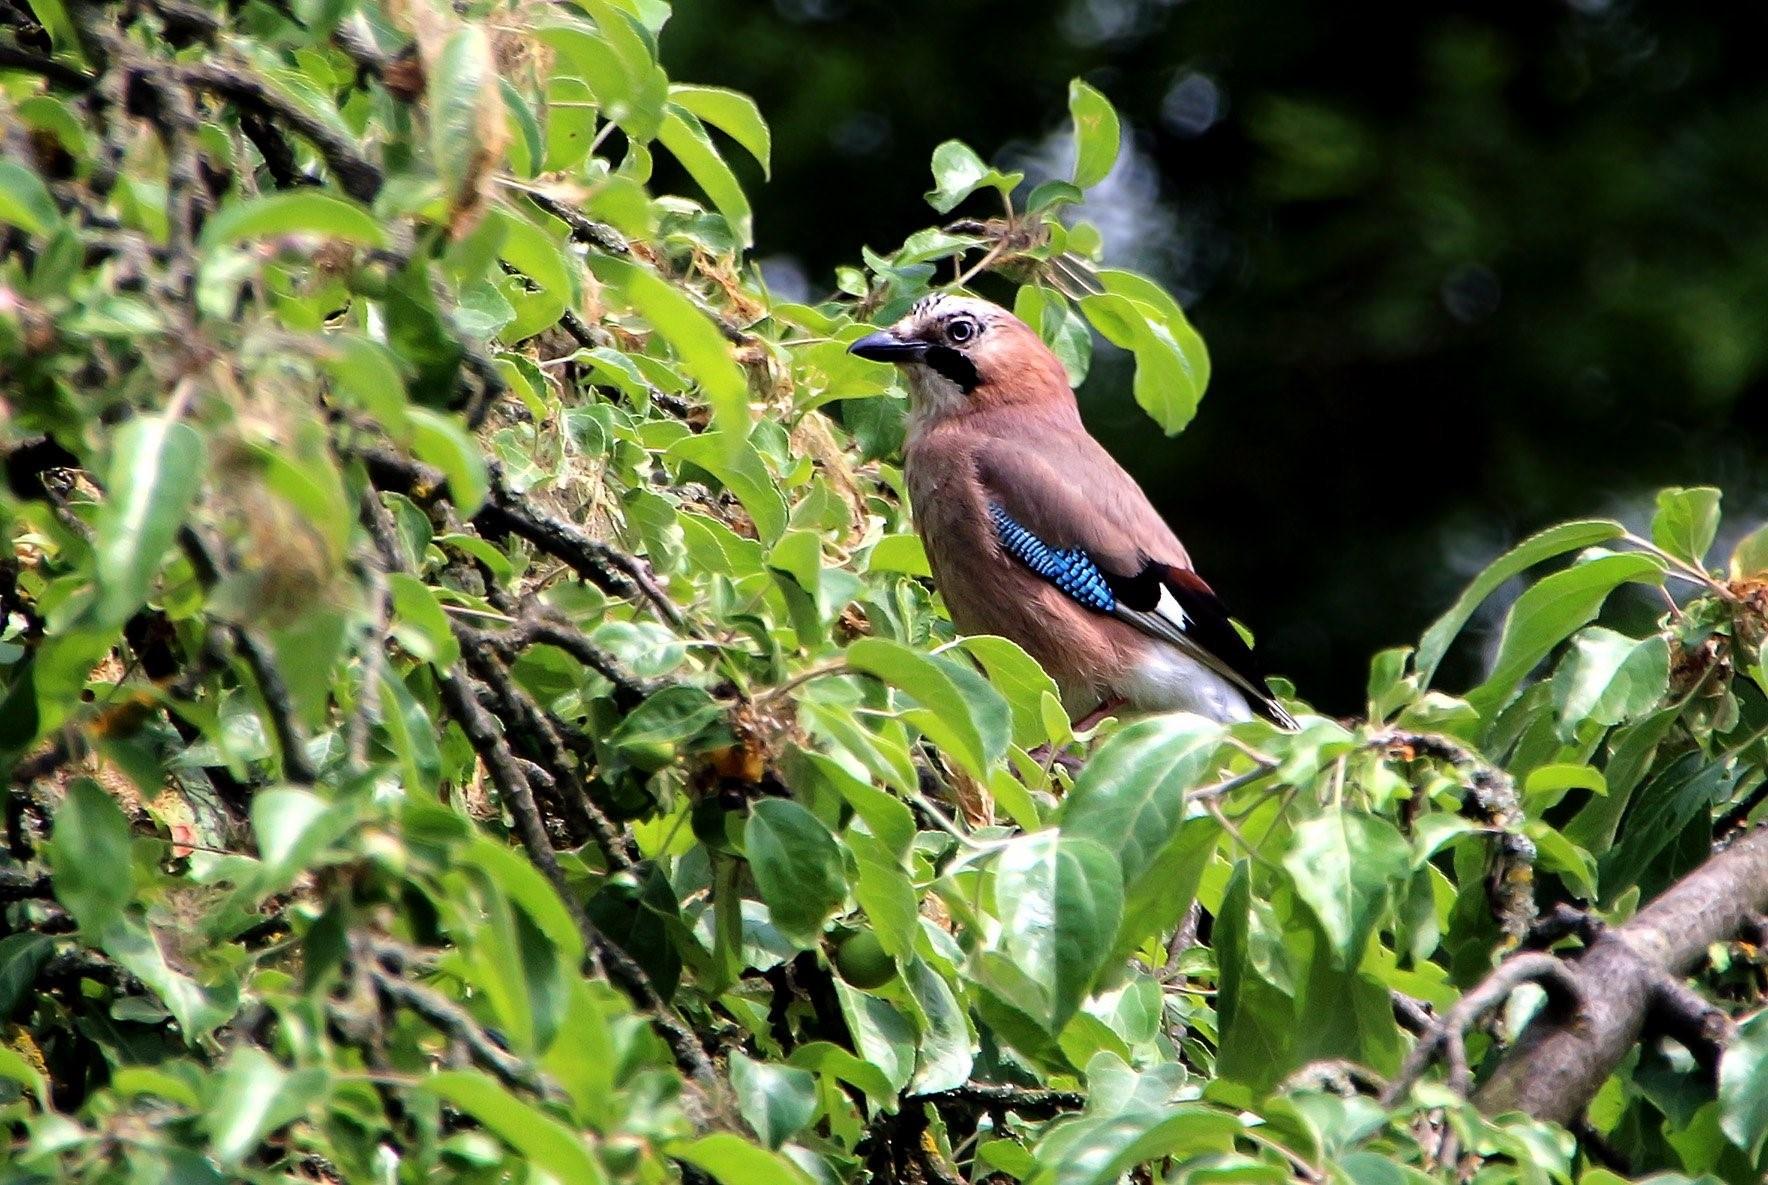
x=1033, y=532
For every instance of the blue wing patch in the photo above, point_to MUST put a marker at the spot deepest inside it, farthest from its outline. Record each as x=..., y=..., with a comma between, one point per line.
x=1068, y=568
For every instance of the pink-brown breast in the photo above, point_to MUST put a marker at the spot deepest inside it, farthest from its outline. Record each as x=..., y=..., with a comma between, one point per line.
x=988, y=592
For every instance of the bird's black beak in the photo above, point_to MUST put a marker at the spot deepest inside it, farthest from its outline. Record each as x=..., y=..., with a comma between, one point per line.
x=885, y=346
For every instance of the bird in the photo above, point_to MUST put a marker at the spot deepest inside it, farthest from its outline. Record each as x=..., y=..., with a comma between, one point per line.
x=1035, y=533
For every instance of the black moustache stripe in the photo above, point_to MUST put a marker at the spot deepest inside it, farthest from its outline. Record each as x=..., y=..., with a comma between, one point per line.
x=953, y=366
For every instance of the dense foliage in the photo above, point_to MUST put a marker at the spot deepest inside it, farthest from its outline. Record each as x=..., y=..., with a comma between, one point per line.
x=1523, y=233
x=473, y=704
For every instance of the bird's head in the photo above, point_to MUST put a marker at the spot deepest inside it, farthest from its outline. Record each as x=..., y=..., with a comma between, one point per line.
x=960, y=354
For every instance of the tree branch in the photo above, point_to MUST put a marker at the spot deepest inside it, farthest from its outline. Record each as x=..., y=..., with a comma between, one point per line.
x=1557, y=1066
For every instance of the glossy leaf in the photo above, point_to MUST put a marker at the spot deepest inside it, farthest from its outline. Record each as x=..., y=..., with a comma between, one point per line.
x=797, y=866
x=685, y=136
x=1743, y=1085
x=1554, y=541
x=1686, y=522
x=156, y=473
x=1061, y=899
x=959, y=711
x=777, y=1102
x=308, y=212
x=958, y=172
x=1546, y=614
x=1344, y=865
x=731, y=112
x=90, y=854
x=1096, y=134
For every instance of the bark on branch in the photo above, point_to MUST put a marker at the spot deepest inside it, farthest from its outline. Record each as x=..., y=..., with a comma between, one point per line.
x=1629, y=980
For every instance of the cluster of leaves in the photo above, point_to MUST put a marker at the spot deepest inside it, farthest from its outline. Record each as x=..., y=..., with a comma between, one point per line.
x=473, y=703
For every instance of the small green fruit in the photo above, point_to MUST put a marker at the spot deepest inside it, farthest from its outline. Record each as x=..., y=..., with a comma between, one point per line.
x=862, y=960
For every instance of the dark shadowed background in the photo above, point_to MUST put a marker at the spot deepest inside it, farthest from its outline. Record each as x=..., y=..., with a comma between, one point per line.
x=1463, y=269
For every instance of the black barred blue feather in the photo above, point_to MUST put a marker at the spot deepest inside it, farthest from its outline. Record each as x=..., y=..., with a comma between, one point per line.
x=1161, y=600
x=1069, y=568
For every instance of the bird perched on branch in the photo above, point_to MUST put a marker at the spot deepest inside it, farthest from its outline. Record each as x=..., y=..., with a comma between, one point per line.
x=1036, y=534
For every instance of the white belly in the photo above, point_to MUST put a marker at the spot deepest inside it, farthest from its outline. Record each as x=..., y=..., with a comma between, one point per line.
x=1169, y=681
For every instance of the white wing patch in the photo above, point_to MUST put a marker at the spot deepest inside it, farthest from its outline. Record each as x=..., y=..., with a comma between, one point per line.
x=1170, y=609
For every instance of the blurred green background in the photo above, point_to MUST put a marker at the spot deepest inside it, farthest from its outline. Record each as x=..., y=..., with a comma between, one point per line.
x=1464, y=269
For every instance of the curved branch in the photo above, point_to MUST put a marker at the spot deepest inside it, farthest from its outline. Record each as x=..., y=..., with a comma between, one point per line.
x=1559, y=1063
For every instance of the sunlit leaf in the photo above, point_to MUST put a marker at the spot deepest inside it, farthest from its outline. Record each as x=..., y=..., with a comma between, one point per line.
x=797, y=866
x=1686, y=522
x=1555, y=541
x=308, y=212
x=732, y=113
x=544, y=1141
x=1095, y=134
x=156, y=473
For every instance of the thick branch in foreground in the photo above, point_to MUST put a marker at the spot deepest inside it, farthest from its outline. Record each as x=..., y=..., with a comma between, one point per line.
x=1555, y=1069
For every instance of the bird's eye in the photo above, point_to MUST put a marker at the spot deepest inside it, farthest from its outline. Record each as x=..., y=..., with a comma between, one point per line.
x=961, y=330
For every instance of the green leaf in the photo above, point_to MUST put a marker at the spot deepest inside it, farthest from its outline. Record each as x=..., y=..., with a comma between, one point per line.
x=958, y=172
x=1547, y=613
x=1609, y=678
x=529, y=889
x=685, y=137
x=1686, y=522
x=664, y=724
x=1063, y=329
x=420, y=623
x=1743, y=1085
x=731, y=112
x=553, y=285
x=410, y=731
x=1096, y=134
x=1018, y=677
x=1059, y=899
x=944, y=1057
x=89, y=852
x=14, y=1066
x=541, y=1140
x=21, y=958
x=1547, y=784
x=253, y=1097
x=293, y=826
x=198, y=1010
x=1343, y=864
x=1172, y=366
x=464, y=102
x=797, y=866
x=693, y=337
x=301, y=212
x=366, y=373
x=1554, y=541
x=527, y=144
x=1673, y=798
x=417, y=333
x=25, y=201
x=739, y=468
x=731, y=1160
x=1131, y=797
x=1750, y=556
x=1103, y=1151
x=155, y=475
x=778, y=1102
x=826, y=1058
x=958, y=710
x=439, y=440
x=617, y=62
x=899, y=553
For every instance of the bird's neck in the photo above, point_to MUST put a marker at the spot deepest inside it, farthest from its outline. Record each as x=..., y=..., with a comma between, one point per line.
x=995, y=415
